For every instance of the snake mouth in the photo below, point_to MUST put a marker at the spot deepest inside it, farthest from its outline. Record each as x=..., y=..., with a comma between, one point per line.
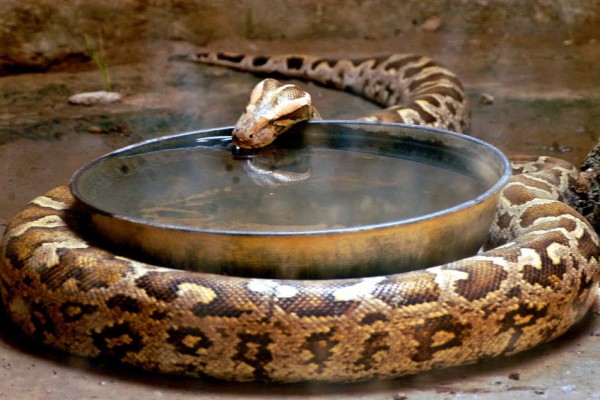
x=264, y=137
x=241, y=143
x=242, y=153
x=246, y=138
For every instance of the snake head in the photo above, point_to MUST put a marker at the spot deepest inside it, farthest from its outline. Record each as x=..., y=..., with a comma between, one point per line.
x=273, y=108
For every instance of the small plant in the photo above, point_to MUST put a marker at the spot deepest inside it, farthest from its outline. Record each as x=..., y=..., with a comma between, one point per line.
x=98, y=56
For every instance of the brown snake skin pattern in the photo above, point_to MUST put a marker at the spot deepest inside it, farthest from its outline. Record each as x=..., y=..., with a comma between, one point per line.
x=538, y=279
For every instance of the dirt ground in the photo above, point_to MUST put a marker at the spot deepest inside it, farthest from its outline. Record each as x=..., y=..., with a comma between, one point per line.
x=528, y=95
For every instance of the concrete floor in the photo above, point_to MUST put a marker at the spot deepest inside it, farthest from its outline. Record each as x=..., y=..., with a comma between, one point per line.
x=546, y=100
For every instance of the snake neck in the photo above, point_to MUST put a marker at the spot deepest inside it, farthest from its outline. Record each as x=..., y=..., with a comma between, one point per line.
x=414, y=89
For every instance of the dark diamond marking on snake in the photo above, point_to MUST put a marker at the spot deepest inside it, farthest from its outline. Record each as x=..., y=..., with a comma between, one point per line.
x=253, y=350
x=410, y=72
x=322, y=304
x=86, y=278
x=374, y=62
x=514, y=292
x=28, y=281
x=259, y=61
x=432, y=100
x=450, y=108
x=407, y=291
x=164, y=288
x=12, y=254
x=294, y=63
x=425, y=115
x=552, y=273
x=320, y=345
x=547, y=210
x=41, y=320
x=124, y=303
x=74, y=311
x=483, y=277
x=444, y=91
x=446, y=326
x=402, y=62
x=372, y=318
x=217, y=308
x=188, y=340
x=503, y=220
x=374, y=344
x=158, y=315
x=586, y=243
x=517, y=320
x=117, y=340
x=585, y=284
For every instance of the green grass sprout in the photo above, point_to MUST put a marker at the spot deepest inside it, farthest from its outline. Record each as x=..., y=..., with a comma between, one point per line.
x=98, y=56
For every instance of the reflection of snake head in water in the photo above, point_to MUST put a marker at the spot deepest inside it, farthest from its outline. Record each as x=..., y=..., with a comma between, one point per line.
x=276, y=166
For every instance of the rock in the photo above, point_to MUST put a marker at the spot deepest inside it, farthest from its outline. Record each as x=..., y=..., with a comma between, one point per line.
x=91, y=98
x=432, y=24
x=486, y=99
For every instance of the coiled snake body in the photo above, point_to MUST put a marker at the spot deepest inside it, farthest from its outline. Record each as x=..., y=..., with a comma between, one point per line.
x=539, y=278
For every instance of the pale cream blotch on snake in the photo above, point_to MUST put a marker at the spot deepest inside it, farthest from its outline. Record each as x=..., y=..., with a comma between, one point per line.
x=538, y=279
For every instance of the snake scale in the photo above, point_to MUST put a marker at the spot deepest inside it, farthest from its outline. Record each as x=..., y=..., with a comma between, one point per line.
x=539, y=277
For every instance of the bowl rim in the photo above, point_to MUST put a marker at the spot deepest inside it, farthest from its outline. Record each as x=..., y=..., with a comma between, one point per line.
x=490, y=192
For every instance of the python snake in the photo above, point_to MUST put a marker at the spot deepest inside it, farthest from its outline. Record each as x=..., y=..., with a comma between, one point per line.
x=539, y=277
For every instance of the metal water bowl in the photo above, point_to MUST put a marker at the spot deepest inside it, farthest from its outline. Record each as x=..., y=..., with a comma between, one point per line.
x=335, y=199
